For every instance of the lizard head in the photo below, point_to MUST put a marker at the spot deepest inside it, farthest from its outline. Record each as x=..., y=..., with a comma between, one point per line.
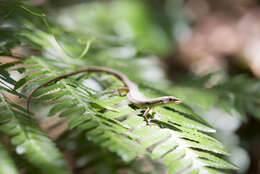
x=172, y=99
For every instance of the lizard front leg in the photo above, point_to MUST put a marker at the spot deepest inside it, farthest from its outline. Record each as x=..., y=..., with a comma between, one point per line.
x=119, y=90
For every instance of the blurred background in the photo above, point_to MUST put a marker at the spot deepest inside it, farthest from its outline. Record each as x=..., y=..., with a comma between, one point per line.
x=211, y=49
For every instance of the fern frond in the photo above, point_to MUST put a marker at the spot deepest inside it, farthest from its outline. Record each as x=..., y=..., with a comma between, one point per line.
x=29, y=140
x=6, y=165
x=109, y=121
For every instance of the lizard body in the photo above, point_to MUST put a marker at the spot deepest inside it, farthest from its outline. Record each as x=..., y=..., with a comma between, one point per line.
x=133, y=93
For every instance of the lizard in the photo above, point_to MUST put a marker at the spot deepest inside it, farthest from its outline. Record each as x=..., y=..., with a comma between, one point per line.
x=133, y=94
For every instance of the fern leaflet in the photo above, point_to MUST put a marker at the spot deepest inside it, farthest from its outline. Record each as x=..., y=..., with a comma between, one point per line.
x=29, y=140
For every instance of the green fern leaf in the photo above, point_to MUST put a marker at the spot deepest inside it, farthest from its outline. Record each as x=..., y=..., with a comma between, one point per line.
x=6, y=81
x=29, y=140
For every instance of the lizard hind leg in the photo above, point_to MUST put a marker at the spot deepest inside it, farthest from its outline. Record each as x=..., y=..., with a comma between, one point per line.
x=145, y=115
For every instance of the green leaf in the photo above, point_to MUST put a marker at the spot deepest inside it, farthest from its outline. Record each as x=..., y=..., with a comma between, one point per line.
x=9, y=65
x=59, y=107
x=6, y=165
x=29, y=140
x=214, y=161
x=12, y=92
x=180, y=119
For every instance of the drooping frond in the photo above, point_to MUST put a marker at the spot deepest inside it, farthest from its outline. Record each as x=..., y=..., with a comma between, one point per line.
x=29, y=140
